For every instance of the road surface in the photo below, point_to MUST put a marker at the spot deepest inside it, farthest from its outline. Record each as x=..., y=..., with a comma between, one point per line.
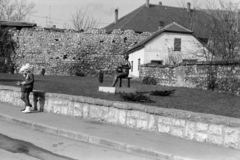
x=19, y=142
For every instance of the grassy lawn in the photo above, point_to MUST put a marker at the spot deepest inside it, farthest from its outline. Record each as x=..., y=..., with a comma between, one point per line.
x=195, y=100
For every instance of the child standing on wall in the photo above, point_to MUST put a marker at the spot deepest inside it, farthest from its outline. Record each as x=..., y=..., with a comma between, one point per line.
x=26, y=86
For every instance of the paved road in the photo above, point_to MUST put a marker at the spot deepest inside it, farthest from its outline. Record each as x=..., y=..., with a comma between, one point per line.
x=29, y=144
x=5, y=155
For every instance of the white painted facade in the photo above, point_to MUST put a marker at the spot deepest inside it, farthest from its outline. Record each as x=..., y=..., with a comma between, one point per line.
x=162, y=46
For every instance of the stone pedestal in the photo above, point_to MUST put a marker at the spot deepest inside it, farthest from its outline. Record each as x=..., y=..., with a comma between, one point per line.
x=116, y=89
x=125, y=90
x=107, y=89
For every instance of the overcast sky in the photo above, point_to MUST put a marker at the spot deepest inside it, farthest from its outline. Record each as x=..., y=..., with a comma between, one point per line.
x=102, y=10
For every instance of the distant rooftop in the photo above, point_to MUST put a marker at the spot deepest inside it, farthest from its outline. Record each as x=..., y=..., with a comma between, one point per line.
x=147, y=18
x=18, y=25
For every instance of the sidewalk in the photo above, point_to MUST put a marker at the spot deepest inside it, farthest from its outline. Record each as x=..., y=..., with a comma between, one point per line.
x=155, y=145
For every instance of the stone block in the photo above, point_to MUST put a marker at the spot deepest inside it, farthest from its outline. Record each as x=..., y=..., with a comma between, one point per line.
x=190, y=130
x=103, y=113
x=65, y=102
x=165, y=120
x=120, y=105
x=49, y=105
x=113, y=115
x=234, y=122
x=107, y=143
x=122, y=117
x=178, y=122
x=131, y=123
x=153, y=123
x=219, y=120
x=70, y=111
x=215, y=139
x=44, y=128
x=107, y=89
x=133, y=114
x=82, y=137
x=85, y=110
x=94, y=112
x=178, y=132
x=201, y=127
x=78, y=109
x=232, y=137
x=216, y=129
x=67, y=134
x=56, y=109
x=201, y=137
x=141, y=124
x=64, y=110
x=163, y=128
x=143, y=116
x=57, y=102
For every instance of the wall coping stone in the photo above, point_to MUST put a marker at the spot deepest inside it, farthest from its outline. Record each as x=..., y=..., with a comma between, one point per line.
x=223, y=63
x=167, y=112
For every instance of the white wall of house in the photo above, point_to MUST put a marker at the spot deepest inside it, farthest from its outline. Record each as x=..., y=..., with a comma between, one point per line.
x=162, y=46
x=134, y=59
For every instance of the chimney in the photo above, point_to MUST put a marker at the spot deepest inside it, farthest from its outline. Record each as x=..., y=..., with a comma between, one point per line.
x=188, y=6
x=147, y=3
x=116, y=15
x=161, y=25
x=160, y=3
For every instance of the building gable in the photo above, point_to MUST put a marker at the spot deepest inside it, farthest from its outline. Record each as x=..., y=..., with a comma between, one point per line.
x=147, y=19
x=173, y=28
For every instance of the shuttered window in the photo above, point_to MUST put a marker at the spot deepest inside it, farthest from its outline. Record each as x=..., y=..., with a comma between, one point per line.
x=132, y=66
x=139, y=61
x=177, y=44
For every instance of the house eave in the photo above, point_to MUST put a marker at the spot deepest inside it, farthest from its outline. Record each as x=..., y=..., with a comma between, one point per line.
x=135, y=49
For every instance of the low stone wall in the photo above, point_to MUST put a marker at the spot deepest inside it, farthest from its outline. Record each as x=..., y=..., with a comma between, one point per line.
x=221, y=76
x=219, y=130
x=164, y=75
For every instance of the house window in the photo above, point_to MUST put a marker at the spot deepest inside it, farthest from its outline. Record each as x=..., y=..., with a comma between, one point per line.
x=157, y=62
x=132, y=66
x=139, y=63
x=177, y=44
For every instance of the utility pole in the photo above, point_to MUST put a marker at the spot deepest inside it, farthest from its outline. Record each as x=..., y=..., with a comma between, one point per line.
x=46, y=21
x=50, y=19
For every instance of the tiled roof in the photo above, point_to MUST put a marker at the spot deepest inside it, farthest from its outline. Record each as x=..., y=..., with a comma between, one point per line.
x=172, y=27
x=16, y=24
x=146, y=19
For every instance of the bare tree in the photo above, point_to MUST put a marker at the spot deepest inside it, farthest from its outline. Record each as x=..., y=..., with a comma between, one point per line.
x=16, y=10
x=173, y=57
x=7, y=49
x=218, y=25
x=83, y=20
x=224, y=29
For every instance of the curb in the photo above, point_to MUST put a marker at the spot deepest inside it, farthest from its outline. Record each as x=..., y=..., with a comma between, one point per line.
x=93, y=140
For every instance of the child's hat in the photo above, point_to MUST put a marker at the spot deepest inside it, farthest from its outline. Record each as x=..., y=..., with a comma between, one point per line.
x=24, y=67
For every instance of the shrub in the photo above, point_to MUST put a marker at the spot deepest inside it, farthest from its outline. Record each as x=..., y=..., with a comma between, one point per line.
x=162, y=93
x=42, y=72
x=135, y=97
x=149, y=80
x=80, y=74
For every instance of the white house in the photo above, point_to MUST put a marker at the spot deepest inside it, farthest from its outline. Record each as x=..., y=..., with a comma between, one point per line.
x=169, y=45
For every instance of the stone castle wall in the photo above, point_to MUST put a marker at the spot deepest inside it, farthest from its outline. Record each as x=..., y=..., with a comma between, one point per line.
x=68, y=52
